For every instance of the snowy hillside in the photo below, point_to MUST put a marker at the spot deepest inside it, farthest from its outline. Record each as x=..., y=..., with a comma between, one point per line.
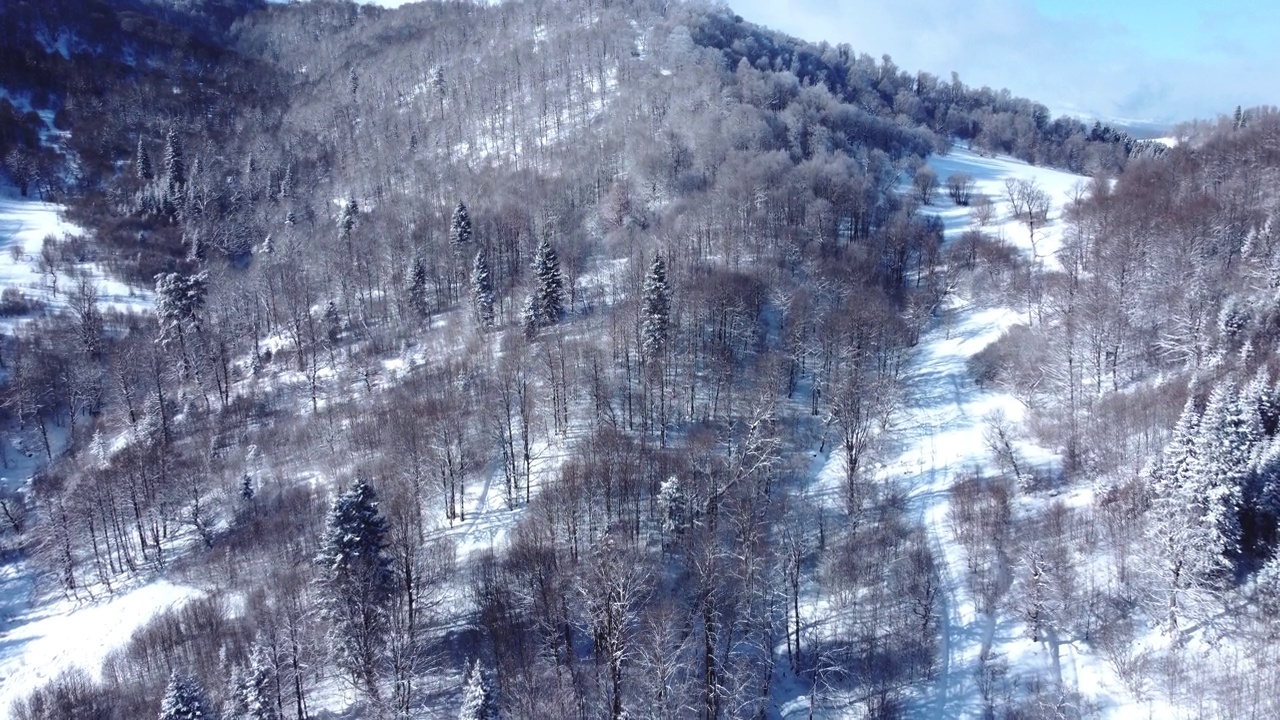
x=617, y=360
x=39, y=275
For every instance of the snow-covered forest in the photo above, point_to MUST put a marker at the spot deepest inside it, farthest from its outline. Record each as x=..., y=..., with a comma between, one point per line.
x=616, y=359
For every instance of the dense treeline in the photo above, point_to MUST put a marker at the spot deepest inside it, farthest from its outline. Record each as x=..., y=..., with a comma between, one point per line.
x=601, y=273
x=884, y=95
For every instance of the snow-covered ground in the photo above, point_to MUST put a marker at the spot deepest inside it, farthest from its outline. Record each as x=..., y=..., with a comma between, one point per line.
x=940, y=433
x=989, y=175
x=37, y=645
x=943, y=433
x=24, y=225
x=40, y=640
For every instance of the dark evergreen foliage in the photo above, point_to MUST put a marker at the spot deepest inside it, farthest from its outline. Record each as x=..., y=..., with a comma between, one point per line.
x=356, y=585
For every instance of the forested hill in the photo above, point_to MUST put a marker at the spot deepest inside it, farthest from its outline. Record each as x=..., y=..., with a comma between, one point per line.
x=548, y=359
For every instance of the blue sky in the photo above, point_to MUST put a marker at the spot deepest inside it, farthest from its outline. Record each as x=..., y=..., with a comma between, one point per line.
x=1115, y=59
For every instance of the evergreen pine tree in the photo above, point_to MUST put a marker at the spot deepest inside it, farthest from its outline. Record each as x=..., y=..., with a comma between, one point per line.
x=356, y=585
x=1266, y=485
x=142, y=163
x=197, y=248
x=548, y=293
x=332, y=322
x=529, y=316
x=1260, y=400
x=656, y=308
x=482, y=290
x=254, y=689
x=1198, y=493
x=1224, y=450
x=417, y=290
x=175, y=168
x=460, y=227
x=347, y=218
x=1184, y=542
x=184, y=700
x=477, y=700
x=179, y=299
x=674, y=505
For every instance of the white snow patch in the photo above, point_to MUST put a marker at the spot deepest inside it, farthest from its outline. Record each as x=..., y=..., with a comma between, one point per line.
x=989, y=175
x=24, y=225
x=39, y=644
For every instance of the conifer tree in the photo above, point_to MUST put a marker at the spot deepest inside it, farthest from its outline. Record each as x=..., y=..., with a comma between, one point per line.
x=1224, y=450
x=356, y=584
x=548, y=292
x=179, y=299
x=529, y=316
x=656, y=309
x=673, y=505
x=332, y=322
x=482, y=290
x=477, y=700
x=184, y=700
x=460, y=227
x=418, y=288
x=254, y=691
x=1198, y=487
x=175, y=168
x=1184, y=542
x=142, y=163
x=347, y=219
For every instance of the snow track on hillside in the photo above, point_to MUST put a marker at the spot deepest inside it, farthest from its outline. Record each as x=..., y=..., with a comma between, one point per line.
x=940, y=434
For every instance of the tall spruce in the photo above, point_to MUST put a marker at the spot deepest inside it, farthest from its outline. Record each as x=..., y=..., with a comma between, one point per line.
x=142, y=162
x=477, y=698
x=482, y=290
x=356, y=584
x=347, y=219
x=417, y=291
x=548, y=288
x=656, y=308
x=529, y=316
x=1196, y=499
x=460, y=227
x=1225, y=447
x=175, y=167
x=254, y=695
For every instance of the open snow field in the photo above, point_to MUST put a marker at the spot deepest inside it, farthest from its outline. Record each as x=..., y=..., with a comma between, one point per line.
x=24, y=225
x=38, y=644
x=42, y=637
x=939, y=433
